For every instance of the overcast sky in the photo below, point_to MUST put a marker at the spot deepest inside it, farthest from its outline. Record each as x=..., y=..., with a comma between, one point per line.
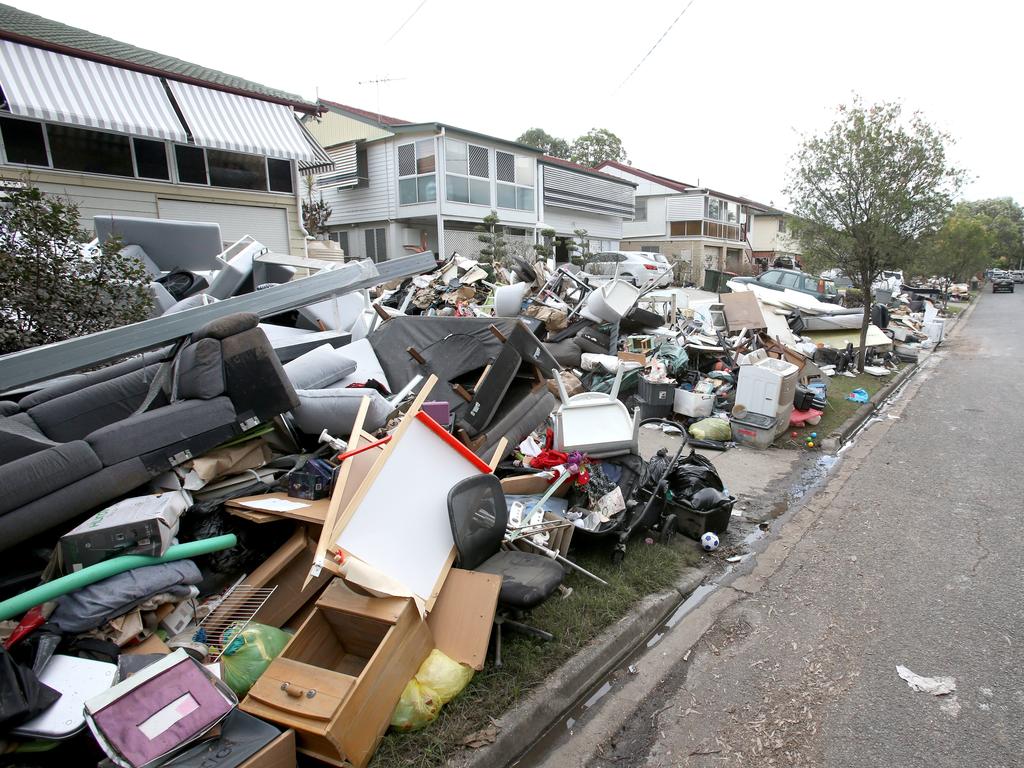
x=722, y=100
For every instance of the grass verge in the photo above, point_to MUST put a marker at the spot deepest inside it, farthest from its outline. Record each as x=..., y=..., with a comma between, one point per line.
x=838, y=411
x=574, y=621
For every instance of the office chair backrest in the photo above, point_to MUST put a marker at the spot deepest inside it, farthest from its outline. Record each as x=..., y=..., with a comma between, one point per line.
x=478, y=516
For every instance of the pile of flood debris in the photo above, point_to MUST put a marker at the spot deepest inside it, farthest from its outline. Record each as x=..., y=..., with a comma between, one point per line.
x=301, y=503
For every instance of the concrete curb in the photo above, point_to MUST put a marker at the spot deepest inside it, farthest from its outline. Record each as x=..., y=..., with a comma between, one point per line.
x=522, y=725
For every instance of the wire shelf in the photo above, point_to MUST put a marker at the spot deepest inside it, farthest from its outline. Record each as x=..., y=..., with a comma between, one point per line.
x=230, y=616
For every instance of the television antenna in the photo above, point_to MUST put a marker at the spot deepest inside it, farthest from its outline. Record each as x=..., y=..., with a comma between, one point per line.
x=377, y=82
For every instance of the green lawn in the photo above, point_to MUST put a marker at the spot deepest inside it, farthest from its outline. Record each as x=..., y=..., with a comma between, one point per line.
x=839, y=408
x=574, y=620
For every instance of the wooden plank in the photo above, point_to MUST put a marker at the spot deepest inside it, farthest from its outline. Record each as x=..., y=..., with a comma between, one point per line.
x=464, y=614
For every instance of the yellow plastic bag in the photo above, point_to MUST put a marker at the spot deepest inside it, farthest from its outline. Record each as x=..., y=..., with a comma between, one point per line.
x=438, y=680
x=711, y=429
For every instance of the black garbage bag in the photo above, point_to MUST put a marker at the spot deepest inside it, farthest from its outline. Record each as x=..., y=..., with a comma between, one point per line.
x=22, y=695
x=693, y=474
x=708, y=499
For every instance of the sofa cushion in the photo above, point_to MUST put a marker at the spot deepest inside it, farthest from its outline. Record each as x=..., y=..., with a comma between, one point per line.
x=367, y=365
x=256, y=380
x=335, y=410
x=43, y=472
x=201, y=371
x=230, y=325
x=9, y=408
x=79, y=413
x=78, y=381
x=19, y=436
x=70, y=505
x=319, y=367
x=166, y=426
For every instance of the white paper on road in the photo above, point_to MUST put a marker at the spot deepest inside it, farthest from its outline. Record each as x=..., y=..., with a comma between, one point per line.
x=274, y=505
x=936, y=686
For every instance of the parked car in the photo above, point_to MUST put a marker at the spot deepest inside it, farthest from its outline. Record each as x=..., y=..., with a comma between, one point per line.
x=1018, y=275
x=1002, y=282
x=822, y=288
x=638, y=267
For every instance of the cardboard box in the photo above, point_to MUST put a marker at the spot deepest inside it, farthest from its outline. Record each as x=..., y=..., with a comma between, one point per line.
x=355, y=654
x=144, y=525
x=633, y=357
x=526, y=485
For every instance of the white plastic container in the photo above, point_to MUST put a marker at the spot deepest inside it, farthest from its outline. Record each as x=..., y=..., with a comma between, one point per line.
x=693, y=404
x=609, y=302
x=935, y=329
x=767, y=387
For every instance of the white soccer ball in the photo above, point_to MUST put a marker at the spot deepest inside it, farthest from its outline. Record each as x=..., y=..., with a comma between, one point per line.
x=709, y=541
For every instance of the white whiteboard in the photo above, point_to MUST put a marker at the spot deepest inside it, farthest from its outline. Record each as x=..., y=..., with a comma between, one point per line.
x=401, y=526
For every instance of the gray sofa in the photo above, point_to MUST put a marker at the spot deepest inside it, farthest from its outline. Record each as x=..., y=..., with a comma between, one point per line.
x=84, y=441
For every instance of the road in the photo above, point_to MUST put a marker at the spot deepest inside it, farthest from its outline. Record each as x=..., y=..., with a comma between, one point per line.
x=911, y=554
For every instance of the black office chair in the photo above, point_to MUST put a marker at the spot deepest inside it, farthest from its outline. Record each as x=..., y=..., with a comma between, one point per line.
x=479, y=516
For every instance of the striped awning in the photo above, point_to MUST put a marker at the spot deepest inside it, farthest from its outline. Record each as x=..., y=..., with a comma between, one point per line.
x=322, y=161
x=220, y=120
x=64, y=89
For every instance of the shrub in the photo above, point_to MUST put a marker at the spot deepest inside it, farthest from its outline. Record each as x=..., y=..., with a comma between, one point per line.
x=50, y=288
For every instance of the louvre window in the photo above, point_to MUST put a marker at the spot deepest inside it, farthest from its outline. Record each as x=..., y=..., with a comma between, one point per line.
x=468, y=178
x=520, y=173
x=417, y=180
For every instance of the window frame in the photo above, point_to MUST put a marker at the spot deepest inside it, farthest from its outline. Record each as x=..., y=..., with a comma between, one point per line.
x=370, y=233
x=637, y=207
x=173, y=177
x=515, y=185
x=468, y=176
x=414, y=143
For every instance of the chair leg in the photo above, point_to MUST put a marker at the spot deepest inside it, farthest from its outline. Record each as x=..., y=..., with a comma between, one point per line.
x=526, y=629
x=498, y=620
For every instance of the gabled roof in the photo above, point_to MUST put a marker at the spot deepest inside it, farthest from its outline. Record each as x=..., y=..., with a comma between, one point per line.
x=29, y=29
x=551, y=160
x=364, y=114
x=679, y=186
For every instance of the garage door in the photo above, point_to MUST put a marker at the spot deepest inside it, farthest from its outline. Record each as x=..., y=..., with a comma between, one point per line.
x=268, y=225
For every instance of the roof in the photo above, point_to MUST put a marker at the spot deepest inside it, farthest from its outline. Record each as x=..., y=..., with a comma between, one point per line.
x=679, y=186
x=551, y=160
x=29, y=29
x=364, y=114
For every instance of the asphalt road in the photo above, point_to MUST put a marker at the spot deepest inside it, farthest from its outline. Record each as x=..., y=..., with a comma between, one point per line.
x=912, y=554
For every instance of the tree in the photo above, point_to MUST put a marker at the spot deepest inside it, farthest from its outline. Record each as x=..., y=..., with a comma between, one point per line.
x=51, y=289
x=541, y=139
x=596, y=146
x=864, y=190
x=579, y=249
x=492, y=235
x=960, y=249
x=1004, y=220
x=315, y=213
x=545, y=249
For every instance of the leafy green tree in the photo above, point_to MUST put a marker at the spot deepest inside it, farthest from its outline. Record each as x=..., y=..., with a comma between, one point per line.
x=866, y=188
x=960, y=249
x=541, y=139
x=579, y=248
x=1004, y=219
x=545, y=248
x=50, y=289
x=596, y=146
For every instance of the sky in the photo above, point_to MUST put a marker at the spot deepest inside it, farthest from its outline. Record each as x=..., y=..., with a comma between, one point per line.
x=722, y=100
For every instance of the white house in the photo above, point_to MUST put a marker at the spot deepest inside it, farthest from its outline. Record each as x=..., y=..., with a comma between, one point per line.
x=697, y=228
x=771, y=240
x=400, y=187
x=123, y=130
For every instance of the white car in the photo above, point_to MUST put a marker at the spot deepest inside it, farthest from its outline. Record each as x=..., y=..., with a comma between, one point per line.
x=641, y=268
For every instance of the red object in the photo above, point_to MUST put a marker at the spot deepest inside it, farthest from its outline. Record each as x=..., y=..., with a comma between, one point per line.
x=651, y=267
x=441, y=432
x=357, y=451
x=548, y=458
x=799, y=418
x=29, y=623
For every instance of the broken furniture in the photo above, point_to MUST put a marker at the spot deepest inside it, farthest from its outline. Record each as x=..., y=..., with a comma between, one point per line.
x=458, y=350
x=595, y=423
x=166, y=244
x=339, y=678
x=478, y=515
x=40, y=363
x=73, y=446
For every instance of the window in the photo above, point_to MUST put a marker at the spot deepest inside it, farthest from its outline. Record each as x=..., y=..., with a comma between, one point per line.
x=280, y=175
x=782, y=224
x=236, y=171
x=769, y=278
x=151, y=160
x=76, y=149
x=640, y=210
x=341, y=238
x=714, y=209
x=376, y=244
x=417, y=164
x=519, y=176
x=23, y=142
x=653, y=249
x=191, y=164
x=685, y=228
x=468, y=174
x=789, y=279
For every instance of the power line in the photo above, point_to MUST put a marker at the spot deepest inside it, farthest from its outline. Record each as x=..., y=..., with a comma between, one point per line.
x=656, y=44
x=407, y=20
